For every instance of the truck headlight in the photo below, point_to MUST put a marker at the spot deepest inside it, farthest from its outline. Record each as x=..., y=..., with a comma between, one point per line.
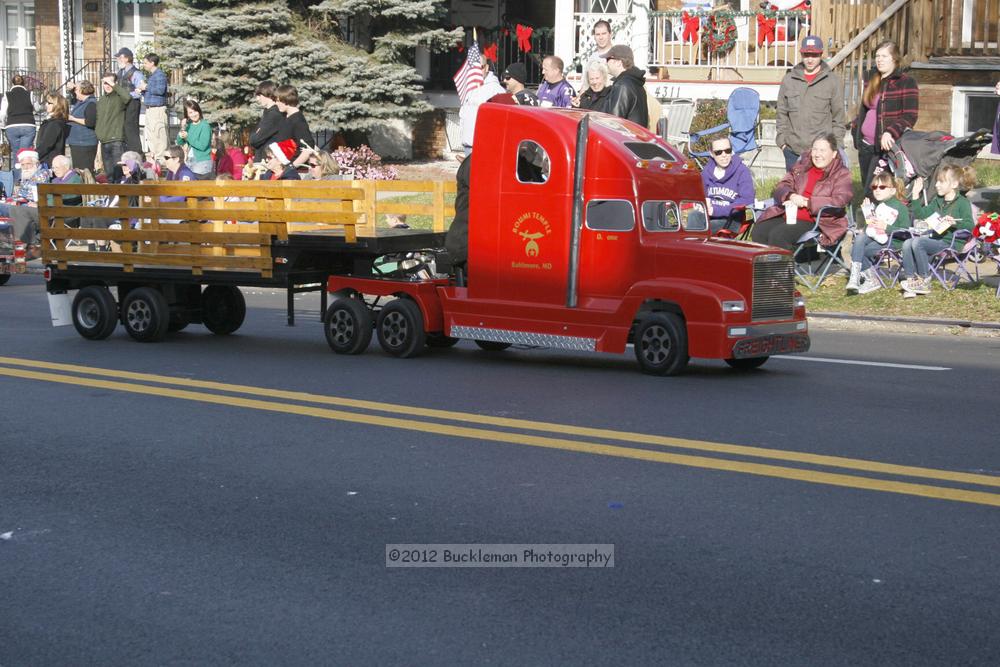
x=734, y=306
x=800, y=301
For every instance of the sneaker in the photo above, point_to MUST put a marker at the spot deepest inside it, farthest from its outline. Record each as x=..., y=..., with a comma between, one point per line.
x=870, y=286
x=919, y=286
x=909, y=295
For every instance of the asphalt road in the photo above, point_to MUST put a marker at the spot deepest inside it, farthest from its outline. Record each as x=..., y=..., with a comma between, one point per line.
x=217, y=500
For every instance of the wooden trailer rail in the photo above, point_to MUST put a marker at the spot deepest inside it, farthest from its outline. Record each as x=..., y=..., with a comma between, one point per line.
x=194, y=233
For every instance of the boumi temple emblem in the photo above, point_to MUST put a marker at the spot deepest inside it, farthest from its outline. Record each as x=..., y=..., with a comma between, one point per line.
x=531, y=227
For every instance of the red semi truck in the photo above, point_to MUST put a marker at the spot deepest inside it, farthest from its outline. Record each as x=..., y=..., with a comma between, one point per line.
x=586, y=232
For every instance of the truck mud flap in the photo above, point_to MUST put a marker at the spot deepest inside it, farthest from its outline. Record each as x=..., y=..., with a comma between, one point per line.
x=765, y=346
x=60, y=309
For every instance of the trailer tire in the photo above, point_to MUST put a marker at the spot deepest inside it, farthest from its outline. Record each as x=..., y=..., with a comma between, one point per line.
x=492, y=345
x=747, y=364
x=660, y=343
x=178, y=321
x=401, y=328
x=223, y=309
x=145, y=314
x=4, y=277
x=95, y=313
x=348, y=326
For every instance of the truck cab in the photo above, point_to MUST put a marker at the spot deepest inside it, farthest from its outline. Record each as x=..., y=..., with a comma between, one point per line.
x=588, y=232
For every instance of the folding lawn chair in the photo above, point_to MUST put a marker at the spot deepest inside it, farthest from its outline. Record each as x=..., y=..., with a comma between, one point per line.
x=742, y=218
x=679, y=113
x=830, y=259
x=742, y=116
x=958, y=251
x=888, y=261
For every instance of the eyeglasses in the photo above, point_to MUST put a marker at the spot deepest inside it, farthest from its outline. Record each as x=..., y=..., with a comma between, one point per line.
x=313, y=164
x=881, y=187
x=724, y=151
x=610, y=59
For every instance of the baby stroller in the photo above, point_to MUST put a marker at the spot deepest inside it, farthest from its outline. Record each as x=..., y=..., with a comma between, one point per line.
x=922, y=153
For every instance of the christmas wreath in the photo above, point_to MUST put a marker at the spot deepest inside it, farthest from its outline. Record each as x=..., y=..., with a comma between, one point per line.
x=720, y=34
x=987, y=228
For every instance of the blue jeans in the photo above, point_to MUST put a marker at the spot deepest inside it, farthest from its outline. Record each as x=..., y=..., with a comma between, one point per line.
x=18, y=138
x=791, y=158
x=864, y=250
x=917, y=253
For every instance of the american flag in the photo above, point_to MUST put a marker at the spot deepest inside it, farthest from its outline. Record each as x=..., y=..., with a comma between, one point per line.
x=470, y=75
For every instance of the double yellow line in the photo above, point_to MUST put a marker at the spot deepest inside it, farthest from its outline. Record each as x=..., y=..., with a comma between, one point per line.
x=525, y=432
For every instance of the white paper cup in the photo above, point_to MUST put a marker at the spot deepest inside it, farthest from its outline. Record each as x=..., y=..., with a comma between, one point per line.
x=791, y=213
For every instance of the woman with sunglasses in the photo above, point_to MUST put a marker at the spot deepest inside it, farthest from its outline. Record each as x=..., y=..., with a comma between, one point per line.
x=883, y=216
x=728, y=183
x=322, y=166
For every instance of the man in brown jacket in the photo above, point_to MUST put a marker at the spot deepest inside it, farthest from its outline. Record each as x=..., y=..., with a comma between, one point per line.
x=810, y=103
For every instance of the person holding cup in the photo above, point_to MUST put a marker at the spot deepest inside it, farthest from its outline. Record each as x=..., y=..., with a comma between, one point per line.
x=819, y=179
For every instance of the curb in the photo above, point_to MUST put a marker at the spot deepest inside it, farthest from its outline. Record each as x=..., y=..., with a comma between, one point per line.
x=920, y=321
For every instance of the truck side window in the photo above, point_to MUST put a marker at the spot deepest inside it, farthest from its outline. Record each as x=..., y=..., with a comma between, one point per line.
x=611, y=215
x=533, y=164
x=693, y=216
x=660, y=216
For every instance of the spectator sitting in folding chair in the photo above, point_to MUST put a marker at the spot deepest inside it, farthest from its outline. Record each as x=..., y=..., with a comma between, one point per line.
x=818, y=180
x=883, y=216
x=728, y=184
x=947, y=213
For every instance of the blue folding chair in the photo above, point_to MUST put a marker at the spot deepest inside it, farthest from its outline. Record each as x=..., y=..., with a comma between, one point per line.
x=742, y=114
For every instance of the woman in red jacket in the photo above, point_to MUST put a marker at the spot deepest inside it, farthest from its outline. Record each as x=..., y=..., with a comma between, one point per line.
x=819, y=179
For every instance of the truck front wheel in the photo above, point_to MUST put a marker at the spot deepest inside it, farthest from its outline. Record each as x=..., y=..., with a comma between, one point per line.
x=145, y=314
x=401, y=328
x=660, y=343
x=348, y=326
x=747, y=364
x=223, y=309
x=95, y=313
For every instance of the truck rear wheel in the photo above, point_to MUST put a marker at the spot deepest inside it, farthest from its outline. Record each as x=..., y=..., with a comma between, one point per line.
x=223, y=309
x=747, y=364
x=492, y=345
x=660, y=343
x=145, y=314
x=348, y=326
x=401, y=328
x=95, y=313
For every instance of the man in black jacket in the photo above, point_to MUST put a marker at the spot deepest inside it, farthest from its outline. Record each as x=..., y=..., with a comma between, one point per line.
x=627, y=98
x=270, y=121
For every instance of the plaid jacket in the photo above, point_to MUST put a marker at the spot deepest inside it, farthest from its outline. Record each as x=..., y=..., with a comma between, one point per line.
x=897, y=108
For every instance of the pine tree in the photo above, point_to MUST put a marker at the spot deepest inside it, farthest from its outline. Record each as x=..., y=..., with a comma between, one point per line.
x=226, y=46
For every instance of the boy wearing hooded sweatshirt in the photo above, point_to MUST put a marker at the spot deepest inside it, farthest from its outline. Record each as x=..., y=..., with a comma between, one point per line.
x=727, y=182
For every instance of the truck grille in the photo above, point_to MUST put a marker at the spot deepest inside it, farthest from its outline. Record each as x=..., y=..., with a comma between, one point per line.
x=773, y=288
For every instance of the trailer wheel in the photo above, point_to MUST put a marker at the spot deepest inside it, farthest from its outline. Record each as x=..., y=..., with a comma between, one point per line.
x=348, y=326
x=660, y=343
x=439, y=340
x=178, y=321
x=401, y=328
x=4, y=277
x=145, y=314
x=223, y=309
x=492, y=345
x=95, y=313
x=747, y=364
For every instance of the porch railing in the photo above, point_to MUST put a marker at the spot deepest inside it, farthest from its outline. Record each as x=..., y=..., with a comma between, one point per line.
x=963, y=27
x=671, y=46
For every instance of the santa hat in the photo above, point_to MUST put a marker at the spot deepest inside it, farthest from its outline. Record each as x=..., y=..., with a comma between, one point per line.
x=27, y=154
x=284, y=151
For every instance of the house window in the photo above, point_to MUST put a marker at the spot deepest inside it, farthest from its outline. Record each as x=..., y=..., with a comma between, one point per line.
x=134, y=23
x=18, y=35
x=972, y=108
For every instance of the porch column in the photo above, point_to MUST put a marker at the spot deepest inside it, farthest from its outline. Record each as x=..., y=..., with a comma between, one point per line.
x=640, y=33
x=565, y=30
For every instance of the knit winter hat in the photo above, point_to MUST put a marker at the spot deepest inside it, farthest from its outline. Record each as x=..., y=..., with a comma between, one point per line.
x=284, y=151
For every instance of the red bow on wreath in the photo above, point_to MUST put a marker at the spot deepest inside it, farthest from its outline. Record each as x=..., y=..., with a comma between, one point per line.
x=767, y=21
x=987, y=227
x=524, y=37
x=490, y=52
x=692, y=23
